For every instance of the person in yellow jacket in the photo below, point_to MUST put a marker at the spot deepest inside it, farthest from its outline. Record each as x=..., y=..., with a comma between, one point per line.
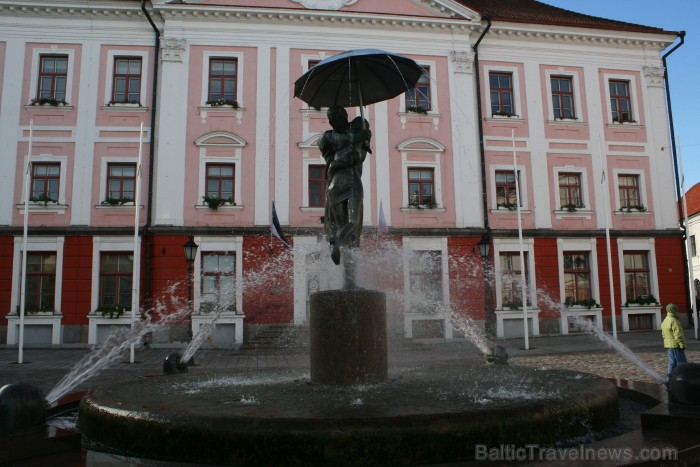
x=672, y=332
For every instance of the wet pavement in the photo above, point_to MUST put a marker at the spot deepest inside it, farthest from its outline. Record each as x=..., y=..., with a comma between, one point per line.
x=45, y=367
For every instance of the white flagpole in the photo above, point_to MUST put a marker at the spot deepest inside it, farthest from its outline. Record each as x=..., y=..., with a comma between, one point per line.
x=606, y=202
x=689, y=250
x=23, y=280
x=523, y=282
x=135, y=278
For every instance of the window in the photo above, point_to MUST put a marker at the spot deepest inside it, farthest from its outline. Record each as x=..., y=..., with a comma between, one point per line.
x=511, y=269
x=116, y=270
x=53, y=76
x=577, y=277
x=636, y=275
x=563, y=97
x=218, y=281
x=220, y=181
x=223, y=77
x=570, y=190
x=421, y=187
x=46, y=179
x=317, y=185
x=693, y=249
x=41, y=282
x=501, y=85
x=425, y=276
x=419, y=96
x=505, y=188
x=628, y=186
x=127, y=80
x=121, y=181
x=620, y=101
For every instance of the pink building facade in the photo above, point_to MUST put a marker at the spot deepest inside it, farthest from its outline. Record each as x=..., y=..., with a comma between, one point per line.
x=572, y=96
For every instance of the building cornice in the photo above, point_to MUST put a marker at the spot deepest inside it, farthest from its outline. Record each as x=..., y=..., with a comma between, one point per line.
x=116, y=10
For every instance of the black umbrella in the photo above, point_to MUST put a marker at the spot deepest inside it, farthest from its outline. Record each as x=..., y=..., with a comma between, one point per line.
x=356, y=78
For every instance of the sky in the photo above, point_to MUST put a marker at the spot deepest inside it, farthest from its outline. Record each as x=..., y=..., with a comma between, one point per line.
x=683, y=64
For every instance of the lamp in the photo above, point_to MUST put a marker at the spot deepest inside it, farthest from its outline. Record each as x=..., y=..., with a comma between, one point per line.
x=485, y=244
x=190, y=249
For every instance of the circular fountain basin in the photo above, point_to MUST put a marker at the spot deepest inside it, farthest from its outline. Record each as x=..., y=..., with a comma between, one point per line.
x=419, y=415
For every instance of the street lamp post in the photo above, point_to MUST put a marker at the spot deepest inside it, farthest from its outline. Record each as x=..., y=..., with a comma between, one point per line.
x=190, y=254
x=490, y=312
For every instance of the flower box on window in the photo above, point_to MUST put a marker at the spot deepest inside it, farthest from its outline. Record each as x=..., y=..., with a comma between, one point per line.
x=116, y=201
x=213, y=202
x=508, y=206
x=642, y=300
x=123, y=104
x=638, y=208
x=112, y=312
x=503, y=115
x=43, y=199
x=49, y=101
x=223, y=103
x=417, y=109
x=427, y=203
x=590, y=303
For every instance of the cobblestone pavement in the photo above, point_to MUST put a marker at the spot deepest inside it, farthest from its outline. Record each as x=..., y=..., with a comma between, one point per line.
x=45, y=367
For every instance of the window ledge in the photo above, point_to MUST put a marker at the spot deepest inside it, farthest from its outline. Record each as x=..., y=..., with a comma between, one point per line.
x=414, y=210
x=204, y=111
x=124, y=108
x=36, y=314
x=566, y=121
x=580, y=309
x=406, y=116
x=634, y=212
x=310, y=112
x=225, y=207
x=118, y=207
x=500, y=118
x=518, y=311
x=635, y=126
x=313, y=209
x=504, y=211
x=49, y=208
x=638, y=308
x=125, y=318
x=47, y=107
x=578, y=214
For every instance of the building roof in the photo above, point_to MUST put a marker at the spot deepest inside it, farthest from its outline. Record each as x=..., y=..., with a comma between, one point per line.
x=532, y=11
x=693, y=199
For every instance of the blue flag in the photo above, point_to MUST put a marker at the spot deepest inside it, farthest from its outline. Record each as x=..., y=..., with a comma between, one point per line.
x=276, y=229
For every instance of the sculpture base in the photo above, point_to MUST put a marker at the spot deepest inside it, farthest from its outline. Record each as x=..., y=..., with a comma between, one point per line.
x=348, y=337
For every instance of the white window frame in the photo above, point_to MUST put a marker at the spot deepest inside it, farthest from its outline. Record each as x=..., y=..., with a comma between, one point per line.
x=305, y=59
x=501, y=245
x=105, y=161
x=411, y=244
x=574, y=244
x=434, y=107
x=522, y=171
x=310, y=155
x=47, y=158
x=517, y=102
x=227, y=244
x=418, y=146
x=236, y=147
x=634, y=99
x=40, y=244
x=34, y=77
x=208, y=55
x=642, y=186
x=578, y=110
x=109, y=83
x=638, y=244
x=585, y=196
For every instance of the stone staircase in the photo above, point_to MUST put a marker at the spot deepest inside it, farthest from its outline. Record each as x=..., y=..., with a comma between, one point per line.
x=274, y=337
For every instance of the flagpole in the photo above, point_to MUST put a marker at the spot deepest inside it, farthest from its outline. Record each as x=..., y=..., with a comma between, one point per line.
x=136, y=265
x=689, y=250
x=23, y=280
x=523, y=282
x=607, y=235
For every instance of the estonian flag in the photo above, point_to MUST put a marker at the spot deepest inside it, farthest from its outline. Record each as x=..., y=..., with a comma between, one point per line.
x=382, y=228
x=276, y=229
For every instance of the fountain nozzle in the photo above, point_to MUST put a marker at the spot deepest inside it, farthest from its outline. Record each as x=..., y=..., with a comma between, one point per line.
x=497, y=355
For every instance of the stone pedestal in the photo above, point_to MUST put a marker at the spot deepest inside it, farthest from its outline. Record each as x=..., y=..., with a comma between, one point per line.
x=348, y=337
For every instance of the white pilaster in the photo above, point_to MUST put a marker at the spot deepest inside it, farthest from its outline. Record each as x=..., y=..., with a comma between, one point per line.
x=81, y=201
x=465, y=141
x=537, y=145
x=380, y=137
x=282, y=104
x=596, y=125
x=170, y=163
x=9, y=126
x=262, y=139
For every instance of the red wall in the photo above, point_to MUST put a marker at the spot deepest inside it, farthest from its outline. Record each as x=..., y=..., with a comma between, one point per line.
x=671, y=272
x=6, y=252
x=466, y=278
x=547, y=271
x=77, y=280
